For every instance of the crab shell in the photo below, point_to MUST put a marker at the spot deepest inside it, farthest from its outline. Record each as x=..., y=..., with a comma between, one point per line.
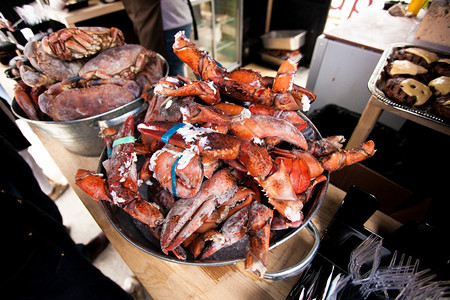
x=123, y=61
x=74, y=43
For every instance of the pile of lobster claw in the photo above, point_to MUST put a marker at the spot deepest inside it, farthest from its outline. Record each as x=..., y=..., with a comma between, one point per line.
x=225, y=158
x=80, y=72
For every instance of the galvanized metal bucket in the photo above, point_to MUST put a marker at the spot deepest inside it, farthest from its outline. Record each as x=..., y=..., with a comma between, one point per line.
x=82, y=136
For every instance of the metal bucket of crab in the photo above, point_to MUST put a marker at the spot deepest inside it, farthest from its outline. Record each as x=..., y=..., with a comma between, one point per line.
x=219, y=181
x=80, y=80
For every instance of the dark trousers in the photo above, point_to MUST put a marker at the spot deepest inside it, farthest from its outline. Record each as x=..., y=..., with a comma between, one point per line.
x=176, y=65
x=39, y=258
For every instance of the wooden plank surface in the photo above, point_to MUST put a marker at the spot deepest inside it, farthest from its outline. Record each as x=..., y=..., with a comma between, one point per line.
x=166, y=279
x=94, y=9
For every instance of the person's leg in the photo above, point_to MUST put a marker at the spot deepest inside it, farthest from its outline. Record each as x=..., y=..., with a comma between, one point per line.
x=147, y=23
x=43, y=262
x=176, y=65
x=42, y=179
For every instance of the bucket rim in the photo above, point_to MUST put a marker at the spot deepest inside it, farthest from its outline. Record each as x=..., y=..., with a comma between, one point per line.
x=91, y=118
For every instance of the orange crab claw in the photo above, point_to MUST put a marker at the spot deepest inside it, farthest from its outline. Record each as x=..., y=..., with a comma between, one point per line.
x=211, y=144
x=177, y=170
x=205, y=90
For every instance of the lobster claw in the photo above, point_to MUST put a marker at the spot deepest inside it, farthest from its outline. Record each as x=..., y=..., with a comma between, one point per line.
x=341, y=158
x=122, y=189
x=178, y=170
x=92, y=184
x=259, y=221
x=262, y=126
x=206, y=91
x=164, y=131
x=188, y=214
x=233, y=230
x=211, y=144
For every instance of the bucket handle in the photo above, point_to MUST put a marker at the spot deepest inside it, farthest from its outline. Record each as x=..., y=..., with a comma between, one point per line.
x=118, y=120
x=300, y=266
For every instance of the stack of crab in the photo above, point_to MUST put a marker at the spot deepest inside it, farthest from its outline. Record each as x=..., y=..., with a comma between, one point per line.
x=80, y=72
x=225, y=158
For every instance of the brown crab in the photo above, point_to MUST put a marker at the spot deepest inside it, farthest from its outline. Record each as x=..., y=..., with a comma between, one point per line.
x=74, y=43
x=45, y=69
x=126, y=62
x=111, y=79
x=66, y=100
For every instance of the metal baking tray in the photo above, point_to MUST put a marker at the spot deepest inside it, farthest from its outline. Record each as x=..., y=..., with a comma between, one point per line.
x=377, y=82
x=284, y=39
x=277, y=61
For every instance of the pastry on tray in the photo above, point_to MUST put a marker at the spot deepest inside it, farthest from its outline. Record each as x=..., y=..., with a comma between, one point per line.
x=407, y=91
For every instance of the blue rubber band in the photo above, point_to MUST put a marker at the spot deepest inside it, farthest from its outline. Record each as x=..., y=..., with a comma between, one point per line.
x=109, y=151
x=124, y=140
x=166, y=136
x=174, y=176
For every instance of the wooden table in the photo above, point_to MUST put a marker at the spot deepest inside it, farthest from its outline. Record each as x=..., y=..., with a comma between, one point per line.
x=94, y=9
x=372, y=113
x=374, y=29
x=167, y=280
x=164, y=280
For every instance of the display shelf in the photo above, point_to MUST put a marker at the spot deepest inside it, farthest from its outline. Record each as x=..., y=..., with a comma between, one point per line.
x=224, y=42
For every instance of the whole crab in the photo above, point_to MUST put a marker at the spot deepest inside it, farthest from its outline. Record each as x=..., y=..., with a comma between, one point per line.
x=45, y=69
x=125, y=61
x=74, y=43
x=66, y=100
x=112, y=78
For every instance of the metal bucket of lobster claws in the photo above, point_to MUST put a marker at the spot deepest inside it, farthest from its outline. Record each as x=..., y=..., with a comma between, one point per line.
x=138, y=234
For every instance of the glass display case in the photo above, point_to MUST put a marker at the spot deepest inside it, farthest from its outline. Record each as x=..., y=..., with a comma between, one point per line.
x=219, y=30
